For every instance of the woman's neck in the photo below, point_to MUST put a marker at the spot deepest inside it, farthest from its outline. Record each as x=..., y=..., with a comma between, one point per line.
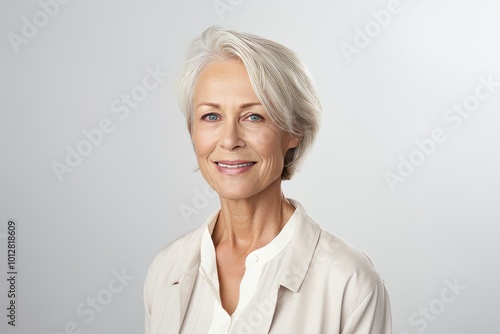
x=247, y=224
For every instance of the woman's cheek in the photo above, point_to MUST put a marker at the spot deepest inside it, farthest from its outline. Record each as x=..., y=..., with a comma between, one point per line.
x=203, y=140
x=265, y=136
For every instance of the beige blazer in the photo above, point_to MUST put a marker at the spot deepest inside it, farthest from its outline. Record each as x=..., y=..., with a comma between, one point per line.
x=324, y=286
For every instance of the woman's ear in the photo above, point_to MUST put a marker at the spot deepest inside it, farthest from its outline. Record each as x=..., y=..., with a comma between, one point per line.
x=294, y=141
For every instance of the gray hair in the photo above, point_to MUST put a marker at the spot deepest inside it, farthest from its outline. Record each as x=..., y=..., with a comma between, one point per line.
x=279, y=78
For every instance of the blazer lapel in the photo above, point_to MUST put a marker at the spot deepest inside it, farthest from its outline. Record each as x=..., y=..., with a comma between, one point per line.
x=186, y=286
x=300, y=250
x=180, y=286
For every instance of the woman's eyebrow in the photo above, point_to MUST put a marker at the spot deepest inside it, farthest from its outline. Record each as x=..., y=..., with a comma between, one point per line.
x=249, y=105
x=209, y=104
x=218, y=107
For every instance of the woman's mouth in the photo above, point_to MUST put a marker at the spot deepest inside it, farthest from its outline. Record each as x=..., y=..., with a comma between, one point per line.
x=234, y=167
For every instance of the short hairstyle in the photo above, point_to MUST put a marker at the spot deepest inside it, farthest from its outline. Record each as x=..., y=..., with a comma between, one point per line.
x=279, y=78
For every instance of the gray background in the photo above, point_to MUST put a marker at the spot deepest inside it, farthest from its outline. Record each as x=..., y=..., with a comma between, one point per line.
x=123, y=202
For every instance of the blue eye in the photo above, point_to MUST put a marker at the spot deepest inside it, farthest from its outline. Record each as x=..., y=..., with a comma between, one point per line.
x=255, y=118
x=211, y=117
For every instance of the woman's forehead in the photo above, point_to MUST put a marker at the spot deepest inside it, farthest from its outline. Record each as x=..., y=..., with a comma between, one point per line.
x=224, y=82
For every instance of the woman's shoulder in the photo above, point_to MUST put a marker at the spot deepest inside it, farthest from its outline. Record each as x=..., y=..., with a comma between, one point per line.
x=177, y=255
x=345, y=262
x=183, y=244
x=353, y=277
x=332, y=254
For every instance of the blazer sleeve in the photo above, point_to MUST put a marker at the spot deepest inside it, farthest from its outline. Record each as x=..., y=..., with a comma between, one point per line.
x=372, y=315
x=148, y=289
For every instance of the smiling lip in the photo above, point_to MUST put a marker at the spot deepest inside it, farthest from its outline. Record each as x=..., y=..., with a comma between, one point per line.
x=233, y=167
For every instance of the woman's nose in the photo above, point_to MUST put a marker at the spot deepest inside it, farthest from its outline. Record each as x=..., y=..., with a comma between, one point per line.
x=231, y=138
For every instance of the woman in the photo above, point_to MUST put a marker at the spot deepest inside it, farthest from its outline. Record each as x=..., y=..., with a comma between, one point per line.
x=259, y=264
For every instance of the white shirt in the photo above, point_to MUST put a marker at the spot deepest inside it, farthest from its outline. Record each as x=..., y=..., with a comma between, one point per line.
x=320, y=284
x=207, y=315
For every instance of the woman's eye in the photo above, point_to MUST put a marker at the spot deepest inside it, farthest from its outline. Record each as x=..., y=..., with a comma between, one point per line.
x=255, y=118
x=211, y=117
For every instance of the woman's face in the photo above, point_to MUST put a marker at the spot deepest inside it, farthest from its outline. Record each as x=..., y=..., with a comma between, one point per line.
x=240, y=150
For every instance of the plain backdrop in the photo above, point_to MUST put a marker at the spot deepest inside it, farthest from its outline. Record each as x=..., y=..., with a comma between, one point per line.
x=385, y=85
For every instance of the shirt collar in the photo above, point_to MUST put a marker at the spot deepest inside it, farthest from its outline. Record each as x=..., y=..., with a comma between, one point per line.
x=259, y=256
x=276, y=246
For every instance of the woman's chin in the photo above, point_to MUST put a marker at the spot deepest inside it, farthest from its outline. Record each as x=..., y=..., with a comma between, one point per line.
x=246, y=188
x=236, y=191
x=234, y=195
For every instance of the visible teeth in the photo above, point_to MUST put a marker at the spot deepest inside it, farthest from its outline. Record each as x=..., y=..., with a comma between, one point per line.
x=235, y=166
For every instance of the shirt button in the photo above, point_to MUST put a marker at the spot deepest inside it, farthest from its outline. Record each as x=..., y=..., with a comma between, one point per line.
x=254, y=258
